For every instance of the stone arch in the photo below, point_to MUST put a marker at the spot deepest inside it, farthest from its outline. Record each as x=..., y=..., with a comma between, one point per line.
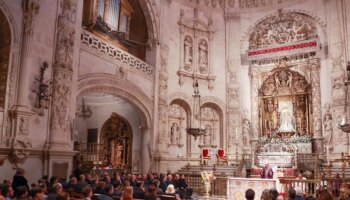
x=318, y=22
x=15, y=35
x=109, y=84
x=5, y=49
x=180, y=95
x=149, y=10
x=181, y=121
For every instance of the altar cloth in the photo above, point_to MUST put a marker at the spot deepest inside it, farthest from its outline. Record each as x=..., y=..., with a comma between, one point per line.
x=236, y=187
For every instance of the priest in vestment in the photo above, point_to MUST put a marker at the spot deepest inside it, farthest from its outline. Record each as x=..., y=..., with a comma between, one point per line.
x=266, y=172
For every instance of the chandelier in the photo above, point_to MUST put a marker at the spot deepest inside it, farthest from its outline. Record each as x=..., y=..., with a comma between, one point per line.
x=196, y=129
x=84, y=111
x=344, y=125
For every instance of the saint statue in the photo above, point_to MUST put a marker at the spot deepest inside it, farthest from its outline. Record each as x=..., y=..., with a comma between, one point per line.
x=117, y=158
x=246, y=131
x=174, y=132
x=203, y=55
x=207, y=135
x=328, y=129
x=188, y=53
x=286, y=121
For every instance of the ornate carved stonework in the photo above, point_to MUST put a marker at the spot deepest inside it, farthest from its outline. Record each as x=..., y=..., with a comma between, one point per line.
x=284, y=81
x=212, y=122
x=177, y=125
x=195, y=39
x=258, y=3
x=30, y=10
x=233, y=103
x=121, y=72
x=103, y=48
x=212, y=3
x=284, y=27
x=163, y=96
x=63, y=71
x=62, y=80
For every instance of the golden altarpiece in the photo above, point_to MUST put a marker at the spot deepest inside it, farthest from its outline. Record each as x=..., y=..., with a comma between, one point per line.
x=116, y=142
x=284, y=104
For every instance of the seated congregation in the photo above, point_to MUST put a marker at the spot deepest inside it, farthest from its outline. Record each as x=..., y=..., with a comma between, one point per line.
x=152, y=186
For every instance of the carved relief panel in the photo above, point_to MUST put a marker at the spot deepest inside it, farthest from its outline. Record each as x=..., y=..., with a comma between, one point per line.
x=211, y=121
x=195, y=39
x=177, y=124
x=284, y=27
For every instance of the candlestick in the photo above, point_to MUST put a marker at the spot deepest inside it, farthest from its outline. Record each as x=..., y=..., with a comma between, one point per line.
x=327, y=155
x=237, y=131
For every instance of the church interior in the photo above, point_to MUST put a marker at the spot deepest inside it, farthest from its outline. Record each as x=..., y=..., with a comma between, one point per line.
x=213, y=97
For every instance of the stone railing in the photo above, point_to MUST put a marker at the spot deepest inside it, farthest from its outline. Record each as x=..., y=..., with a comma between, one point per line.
x=108, y=50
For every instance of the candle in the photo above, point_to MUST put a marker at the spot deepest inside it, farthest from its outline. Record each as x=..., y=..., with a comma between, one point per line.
x=237, y=132
x=327, y=155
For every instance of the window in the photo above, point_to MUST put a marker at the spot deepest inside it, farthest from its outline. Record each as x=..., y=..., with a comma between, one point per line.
x=124, y=24
x=92, y=135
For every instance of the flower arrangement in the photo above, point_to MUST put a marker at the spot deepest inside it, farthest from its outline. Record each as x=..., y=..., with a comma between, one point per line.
x=301, y=139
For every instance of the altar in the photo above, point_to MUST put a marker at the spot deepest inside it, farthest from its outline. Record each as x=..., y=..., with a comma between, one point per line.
x=236, y=187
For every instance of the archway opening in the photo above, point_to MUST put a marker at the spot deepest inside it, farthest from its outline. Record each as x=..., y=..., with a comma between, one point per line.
x=5, y=44
x=108, y=129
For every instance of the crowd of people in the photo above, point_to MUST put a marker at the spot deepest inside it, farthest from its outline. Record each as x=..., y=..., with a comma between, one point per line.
x=83, y=186
x=293, y=194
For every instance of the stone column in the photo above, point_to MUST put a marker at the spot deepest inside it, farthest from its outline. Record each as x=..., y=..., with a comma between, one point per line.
x=316, y=106
x=254, y=92
x=336, y=52
x=60, y=135
x=147, y=152
x=232, y=23
x=162, y=100
x=22, y=114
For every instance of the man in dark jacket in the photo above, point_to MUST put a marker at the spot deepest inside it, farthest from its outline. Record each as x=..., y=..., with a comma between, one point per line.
x=19, y=180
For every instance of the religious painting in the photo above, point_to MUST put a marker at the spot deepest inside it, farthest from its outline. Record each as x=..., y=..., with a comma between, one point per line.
x=284, y=104
x=116, y=142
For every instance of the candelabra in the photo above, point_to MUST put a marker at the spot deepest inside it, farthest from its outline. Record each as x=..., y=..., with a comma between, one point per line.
x=84, y=111
x=41, y=89
x=196, y=130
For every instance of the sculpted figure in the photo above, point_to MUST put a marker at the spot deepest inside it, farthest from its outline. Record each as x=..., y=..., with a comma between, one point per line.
x=328, y=129
x=188, y=52
x=203, y=54
x=246, y=131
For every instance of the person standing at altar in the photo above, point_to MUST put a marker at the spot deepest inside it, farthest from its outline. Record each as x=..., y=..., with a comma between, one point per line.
x=266, y=172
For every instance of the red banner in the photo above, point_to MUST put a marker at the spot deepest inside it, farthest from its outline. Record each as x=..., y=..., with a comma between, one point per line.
x=284, y=48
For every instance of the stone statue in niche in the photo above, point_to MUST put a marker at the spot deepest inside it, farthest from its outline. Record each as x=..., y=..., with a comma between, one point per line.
x=207, y=135
x=245, y=131
x=203, y=56
x=188, y=53
x=174, y=133
x=328, y=129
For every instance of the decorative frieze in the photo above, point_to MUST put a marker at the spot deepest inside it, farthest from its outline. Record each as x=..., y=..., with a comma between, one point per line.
x=101, y=47
x=258, y=3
